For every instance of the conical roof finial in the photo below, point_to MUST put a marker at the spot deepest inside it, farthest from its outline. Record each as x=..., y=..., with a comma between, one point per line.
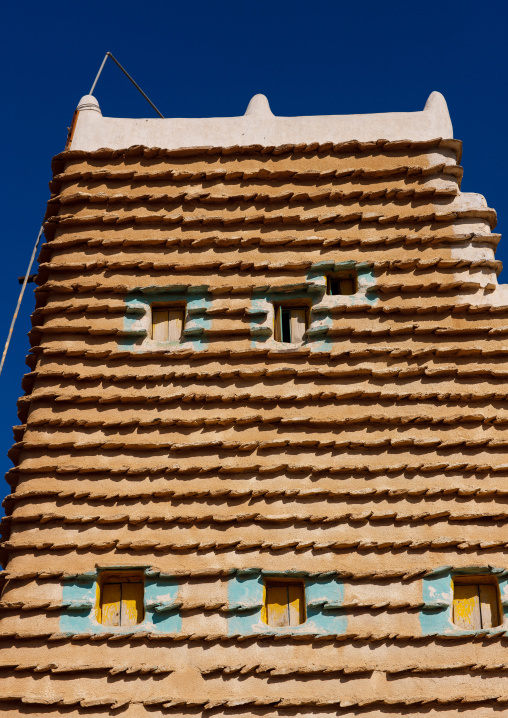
x=88, y=102
x=436, y=102
x=259, y=106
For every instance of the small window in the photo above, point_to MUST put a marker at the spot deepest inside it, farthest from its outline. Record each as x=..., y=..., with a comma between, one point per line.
x=284, y=603
x=342, y=283
x=167, y=323
x=476, y=602
x=121, y=600
x=291, y=323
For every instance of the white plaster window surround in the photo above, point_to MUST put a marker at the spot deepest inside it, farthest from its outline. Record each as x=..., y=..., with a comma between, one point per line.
x=290, y=322
x=266, y=327
x=365, y=281
x=313, y=292
x=264, y=330
x=139, y=317
x=436, y=616
x=364, y=296
x=143, y=325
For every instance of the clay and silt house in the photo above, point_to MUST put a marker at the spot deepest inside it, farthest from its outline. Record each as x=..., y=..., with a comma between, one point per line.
x=261, y=463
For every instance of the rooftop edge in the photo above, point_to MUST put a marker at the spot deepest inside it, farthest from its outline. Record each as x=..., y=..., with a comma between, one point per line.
x=258, y=126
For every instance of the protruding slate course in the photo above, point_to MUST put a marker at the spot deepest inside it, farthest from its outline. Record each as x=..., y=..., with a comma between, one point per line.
x=261, y=466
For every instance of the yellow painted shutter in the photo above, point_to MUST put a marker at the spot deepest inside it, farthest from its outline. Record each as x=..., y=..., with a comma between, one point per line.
x=285, y=604
x=347, y=286
x=466, y=607
x=160, y=325
x=175, y=324
x=132, y=604
x=298, y=323
x=277, y=605
x=111, y=598
x=488, y=605
x=278, y=325
x=295, y=604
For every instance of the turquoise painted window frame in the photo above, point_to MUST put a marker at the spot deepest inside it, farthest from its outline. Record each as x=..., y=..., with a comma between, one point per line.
x=312, y=291
x=80, y=594
x=136, y=335
x=324, y=597
x=436, y=616
x=138, y=318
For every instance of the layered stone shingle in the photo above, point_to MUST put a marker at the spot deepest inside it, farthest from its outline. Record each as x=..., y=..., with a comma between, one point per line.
x=368, y=461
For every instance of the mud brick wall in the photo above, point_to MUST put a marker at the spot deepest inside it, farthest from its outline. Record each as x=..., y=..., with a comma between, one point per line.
x=369, y=460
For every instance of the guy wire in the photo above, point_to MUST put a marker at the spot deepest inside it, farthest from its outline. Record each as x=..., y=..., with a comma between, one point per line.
x=109, y=54
x=32, y=258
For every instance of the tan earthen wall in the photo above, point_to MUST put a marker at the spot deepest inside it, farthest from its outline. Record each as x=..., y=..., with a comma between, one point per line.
x=373, y=455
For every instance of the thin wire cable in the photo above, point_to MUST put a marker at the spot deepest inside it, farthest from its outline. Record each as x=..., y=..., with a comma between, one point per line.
x=101, y=68
x=32, y=258
x=109, y=54
x=20, y=298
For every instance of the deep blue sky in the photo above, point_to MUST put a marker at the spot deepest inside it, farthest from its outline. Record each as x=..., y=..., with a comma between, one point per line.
x=207, y=59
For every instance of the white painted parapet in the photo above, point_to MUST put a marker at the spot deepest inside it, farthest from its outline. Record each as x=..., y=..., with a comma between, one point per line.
x=258, y=126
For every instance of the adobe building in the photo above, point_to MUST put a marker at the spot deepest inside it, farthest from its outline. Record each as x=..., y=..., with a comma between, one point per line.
x=261, y=462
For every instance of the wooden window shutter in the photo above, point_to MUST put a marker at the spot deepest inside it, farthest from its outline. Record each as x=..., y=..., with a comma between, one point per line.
x=278, y=324
x=342, y=285
x=475, y=606
x=175, y=324
x=290, y=323
x=110, y=604
x=160, y=325
x=122, y=604
x=285, y=604
x=298, y=323
x=167, y=324
x=277, y=605
x=347, y=286
x=489, y=607
x=466, y=607
x=296, y=607
x=132, y=604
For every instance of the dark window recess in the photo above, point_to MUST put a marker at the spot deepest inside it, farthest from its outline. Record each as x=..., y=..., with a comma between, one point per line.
x=342, y=285
x=291, y=323
x=285, y=325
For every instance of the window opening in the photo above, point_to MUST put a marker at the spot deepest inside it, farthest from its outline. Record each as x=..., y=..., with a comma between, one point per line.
x=291, y=323
x=167, y=323
x=342, y=284
x=121, y=600
x=284, y=603
x=476, y=602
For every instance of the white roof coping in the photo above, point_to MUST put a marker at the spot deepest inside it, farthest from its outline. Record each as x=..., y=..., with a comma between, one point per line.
x=258, y=126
